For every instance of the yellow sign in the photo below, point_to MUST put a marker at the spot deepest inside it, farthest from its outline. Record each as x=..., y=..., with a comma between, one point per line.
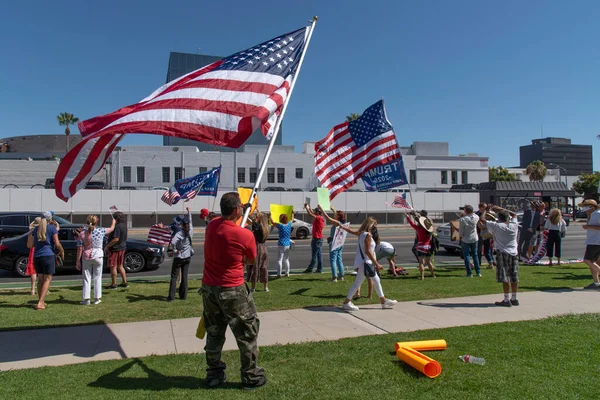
x=245, y=198
x=278, y=209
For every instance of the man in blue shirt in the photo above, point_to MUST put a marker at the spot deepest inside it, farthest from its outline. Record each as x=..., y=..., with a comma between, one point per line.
x=592, y=243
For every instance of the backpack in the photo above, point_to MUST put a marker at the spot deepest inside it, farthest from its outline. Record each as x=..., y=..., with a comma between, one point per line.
x=435, y=244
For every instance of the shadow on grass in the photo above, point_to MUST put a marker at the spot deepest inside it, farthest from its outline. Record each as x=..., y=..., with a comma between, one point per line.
x=300, y=292
x=408, y=369
x=549, y=289
x=154, y=381
x=62, y=300
x=134, y=298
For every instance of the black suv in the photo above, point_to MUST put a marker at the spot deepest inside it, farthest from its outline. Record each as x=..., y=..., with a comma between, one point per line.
x=17, y=223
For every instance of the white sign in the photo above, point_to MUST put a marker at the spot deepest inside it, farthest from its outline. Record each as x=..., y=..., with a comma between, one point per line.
x=339, y=238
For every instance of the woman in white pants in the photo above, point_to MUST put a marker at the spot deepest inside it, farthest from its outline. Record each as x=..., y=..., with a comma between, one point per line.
x=90, y=251
x=366, y=260
x=285, y=231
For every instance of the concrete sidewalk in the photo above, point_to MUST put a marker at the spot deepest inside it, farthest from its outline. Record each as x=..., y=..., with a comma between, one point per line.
x=71, y=345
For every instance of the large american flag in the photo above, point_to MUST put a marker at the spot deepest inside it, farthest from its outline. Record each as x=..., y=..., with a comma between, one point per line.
x=353, y=148
x=220, y=104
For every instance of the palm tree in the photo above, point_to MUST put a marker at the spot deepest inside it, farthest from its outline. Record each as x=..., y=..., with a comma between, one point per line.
x=536, y=171
x=352, y=117
x=66, y=119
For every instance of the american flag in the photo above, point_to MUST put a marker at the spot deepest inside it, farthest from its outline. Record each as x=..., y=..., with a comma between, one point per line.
x=400, y=201
x=220, y=104
x=171, y=196
x=353, y=148
x=159, y=235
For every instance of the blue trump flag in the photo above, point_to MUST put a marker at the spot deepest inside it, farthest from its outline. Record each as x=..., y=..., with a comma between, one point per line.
x=204, y=184
x=385, y=176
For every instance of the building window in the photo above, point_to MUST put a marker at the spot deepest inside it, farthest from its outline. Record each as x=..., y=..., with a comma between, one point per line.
x=444, y=177
x=465, y=176
x=280, y=175
x=141, y=174
x=242, y=175
x=166, y=174
x=454, y=177
x=127, y=174
x=412, y=177
x=178, y=173
x=253, y=174
x=299, y=173
x=270, y=175
x=202, y=170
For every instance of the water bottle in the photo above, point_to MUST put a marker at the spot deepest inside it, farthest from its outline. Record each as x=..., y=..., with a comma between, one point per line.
x=472, y=360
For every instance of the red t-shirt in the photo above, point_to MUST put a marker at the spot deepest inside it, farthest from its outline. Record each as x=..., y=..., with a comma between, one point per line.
x=225, y=246
x=318, y=225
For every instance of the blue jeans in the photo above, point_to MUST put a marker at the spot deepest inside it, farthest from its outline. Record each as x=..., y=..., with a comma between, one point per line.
x=317, y=258
x=484, y=248
x=335, y=259
x=470, y=250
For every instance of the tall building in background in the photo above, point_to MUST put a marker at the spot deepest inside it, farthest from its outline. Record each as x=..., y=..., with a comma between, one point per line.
x=576, y=159
x=183, y=63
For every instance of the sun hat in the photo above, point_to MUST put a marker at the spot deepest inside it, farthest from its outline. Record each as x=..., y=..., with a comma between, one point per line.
x=426, y=223
x=491, y=216
x=47, y=214
x=179, y=219
x=588, y=203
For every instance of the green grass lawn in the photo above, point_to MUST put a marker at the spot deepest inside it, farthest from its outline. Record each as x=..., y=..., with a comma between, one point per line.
x=554, y=358
x=145, y=301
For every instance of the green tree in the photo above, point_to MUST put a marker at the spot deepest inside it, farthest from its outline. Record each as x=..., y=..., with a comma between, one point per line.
x=587, y=185
x=65, y=119
x=352, y=117
x=500, y=174
x=536, y=171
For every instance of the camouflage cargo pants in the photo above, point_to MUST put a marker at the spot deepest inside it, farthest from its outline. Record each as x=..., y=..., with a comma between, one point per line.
x=235, y=307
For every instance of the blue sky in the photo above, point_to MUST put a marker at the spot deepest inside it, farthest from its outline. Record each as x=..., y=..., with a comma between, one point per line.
x=482, y=75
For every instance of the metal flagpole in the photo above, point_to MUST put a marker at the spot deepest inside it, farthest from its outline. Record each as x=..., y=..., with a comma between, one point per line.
x=278, y=123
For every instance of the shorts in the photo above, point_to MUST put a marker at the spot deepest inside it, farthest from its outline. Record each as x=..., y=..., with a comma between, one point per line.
x=507, y=268
x=421, y=254
x=592, y=252
x=381, y=254
x=534, y=239
x=45, y=265
x=115, y=258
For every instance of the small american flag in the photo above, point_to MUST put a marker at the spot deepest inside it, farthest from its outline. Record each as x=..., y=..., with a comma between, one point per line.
x=353, y=148
x=400, y=201
x=159, y=235
x=171, y=196
x=220, y=104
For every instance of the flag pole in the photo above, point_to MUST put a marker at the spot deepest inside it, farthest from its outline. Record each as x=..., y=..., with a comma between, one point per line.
x=278, y=123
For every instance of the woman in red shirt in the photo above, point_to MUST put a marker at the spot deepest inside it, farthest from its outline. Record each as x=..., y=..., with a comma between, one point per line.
x=424, y=228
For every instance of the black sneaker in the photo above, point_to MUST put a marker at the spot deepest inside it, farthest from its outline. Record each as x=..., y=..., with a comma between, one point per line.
x=124, y=285
x=592, y=286
x=112, y=287
x=307, y=271
x=503, y=303
x=514, y=302
x=262, y=381
x=216, y=380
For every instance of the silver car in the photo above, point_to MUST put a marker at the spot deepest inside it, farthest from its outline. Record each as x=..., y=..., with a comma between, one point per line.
x=300, y=230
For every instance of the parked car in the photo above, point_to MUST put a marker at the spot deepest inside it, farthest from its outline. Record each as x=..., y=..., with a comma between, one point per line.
x=49, y=183
x=163, y=188
x=127, y=188
x=300, y=230
x=274, y=189
x=17, y=223
x=139, y=254
x=294, y=190
x=90, y=185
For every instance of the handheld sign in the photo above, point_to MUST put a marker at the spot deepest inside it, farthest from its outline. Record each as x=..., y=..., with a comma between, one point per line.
x=278, y=209
x=323, y=198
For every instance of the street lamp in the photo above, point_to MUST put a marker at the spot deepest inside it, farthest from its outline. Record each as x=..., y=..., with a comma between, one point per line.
x=559, y=169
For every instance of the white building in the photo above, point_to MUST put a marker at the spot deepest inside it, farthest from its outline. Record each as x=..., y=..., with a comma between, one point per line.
x=428, y=166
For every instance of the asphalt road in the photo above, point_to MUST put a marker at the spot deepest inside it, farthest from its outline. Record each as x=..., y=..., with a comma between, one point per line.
x=401, y=238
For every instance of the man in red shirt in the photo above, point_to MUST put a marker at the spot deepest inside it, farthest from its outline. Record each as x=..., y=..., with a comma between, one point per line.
x=317, y=239
x=226, y=298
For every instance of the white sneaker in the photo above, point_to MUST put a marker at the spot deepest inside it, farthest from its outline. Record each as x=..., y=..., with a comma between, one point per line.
x=85, y=302
x=333, y=280
x=388, y=304
x=97, y=301
x=349, y=307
